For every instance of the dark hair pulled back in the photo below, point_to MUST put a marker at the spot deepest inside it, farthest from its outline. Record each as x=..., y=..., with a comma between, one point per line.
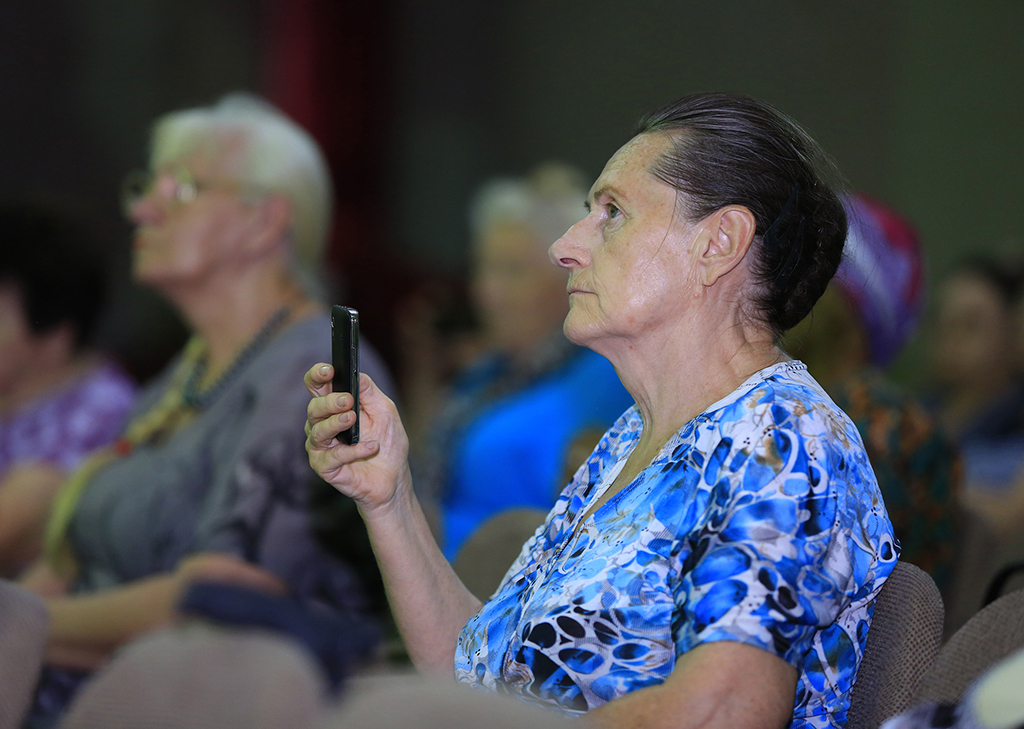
x=734, y=150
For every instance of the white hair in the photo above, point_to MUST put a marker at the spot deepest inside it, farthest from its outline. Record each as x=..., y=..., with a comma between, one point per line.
x=278, y=157
x=548, y=201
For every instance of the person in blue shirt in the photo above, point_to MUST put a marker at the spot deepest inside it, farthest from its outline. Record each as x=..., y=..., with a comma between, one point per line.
x=715, y=562
x=509, y=420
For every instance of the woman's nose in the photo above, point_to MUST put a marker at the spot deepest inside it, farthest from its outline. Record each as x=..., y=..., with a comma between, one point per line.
x=146, y=211
x=149, y=208
x=570, y=251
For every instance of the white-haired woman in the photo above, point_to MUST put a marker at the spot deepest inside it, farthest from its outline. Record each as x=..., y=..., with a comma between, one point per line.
x=715, y=561
x=207, y=479
x=500, y=436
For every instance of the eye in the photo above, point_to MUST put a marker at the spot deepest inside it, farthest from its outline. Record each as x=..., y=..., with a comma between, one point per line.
x=613, y=211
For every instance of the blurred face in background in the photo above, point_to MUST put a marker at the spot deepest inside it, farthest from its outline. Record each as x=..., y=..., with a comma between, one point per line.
x=193, y=222
x=519, y=294
x=974, y=342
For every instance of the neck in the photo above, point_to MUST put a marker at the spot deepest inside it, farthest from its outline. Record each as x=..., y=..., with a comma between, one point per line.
x=675, y=375
x=226, y=314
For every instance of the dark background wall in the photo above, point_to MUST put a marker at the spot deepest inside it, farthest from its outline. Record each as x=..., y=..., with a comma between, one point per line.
x=921, y=104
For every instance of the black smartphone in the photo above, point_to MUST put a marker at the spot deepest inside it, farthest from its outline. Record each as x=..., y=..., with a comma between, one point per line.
x=345, y=358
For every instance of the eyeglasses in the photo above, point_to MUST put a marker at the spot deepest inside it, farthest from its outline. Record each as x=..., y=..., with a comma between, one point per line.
x=139, y=183
x=178, y=186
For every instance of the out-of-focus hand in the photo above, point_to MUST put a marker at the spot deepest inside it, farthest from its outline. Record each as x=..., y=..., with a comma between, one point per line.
x=215, y=567
x=372, y=471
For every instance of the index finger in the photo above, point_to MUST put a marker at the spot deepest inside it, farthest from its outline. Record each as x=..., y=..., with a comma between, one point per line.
x=318, y=379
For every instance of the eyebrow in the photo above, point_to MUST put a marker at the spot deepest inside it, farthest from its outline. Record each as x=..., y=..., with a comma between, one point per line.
x=609, y=190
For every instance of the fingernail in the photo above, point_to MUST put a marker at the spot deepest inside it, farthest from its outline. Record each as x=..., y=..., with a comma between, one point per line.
x=341, y=401
x=324, y=370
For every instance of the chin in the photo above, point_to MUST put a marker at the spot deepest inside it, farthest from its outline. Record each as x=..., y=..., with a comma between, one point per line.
x=577, y=332
x=147, y=272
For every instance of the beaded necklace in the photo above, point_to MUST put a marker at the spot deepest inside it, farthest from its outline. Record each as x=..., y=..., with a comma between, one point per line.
x=193, y=397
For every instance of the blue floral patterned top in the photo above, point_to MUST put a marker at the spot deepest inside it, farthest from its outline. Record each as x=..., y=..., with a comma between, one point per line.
x=760, y=521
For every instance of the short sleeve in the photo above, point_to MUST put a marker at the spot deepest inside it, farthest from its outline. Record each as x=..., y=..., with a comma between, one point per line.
x=766, y=568
x=262, y=487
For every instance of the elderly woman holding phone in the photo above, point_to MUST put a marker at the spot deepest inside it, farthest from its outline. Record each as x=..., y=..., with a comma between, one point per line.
x=716, y=559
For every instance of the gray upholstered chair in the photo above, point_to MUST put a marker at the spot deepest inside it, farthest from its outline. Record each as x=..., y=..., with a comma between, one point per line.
x=905, y=635
x=993, y=633
x=23, y=628
x=977, y=558
x=413, y=701
x=486, y=555
x=198, y=676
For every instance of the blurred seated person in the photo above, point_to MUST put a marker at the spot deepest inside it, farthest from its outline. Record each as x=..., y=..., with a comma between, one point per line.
x=866, y=316
x=510, y=418
x=208, y=480
x=980, y=395
x=60, y=398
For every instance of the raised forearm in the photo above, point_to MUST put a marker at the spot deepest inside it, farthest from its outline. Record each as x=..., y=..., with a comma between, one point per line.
x=429, y=602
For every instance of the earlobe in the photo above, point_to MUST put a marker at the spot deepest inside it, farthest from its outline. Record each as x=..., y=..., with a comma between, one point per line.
x=730, y=232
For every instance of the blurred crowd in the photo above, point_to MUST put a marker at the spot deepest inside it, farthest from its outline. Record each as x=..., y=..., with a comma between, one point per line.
x=129, y=507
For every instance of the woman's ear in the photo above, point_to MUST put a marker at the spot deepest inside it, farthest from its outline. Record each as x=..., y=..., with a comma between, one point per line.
x=729, y=234
x=273, y=221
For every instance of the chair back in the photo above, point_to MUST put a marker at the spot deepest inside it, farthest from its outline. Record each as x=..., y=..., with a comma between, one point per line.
x=979, y=554
x=992, y=634
x=420, y=702
x=199, y=676
x=23, y=628
x=486, y=555
x=905, y=635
